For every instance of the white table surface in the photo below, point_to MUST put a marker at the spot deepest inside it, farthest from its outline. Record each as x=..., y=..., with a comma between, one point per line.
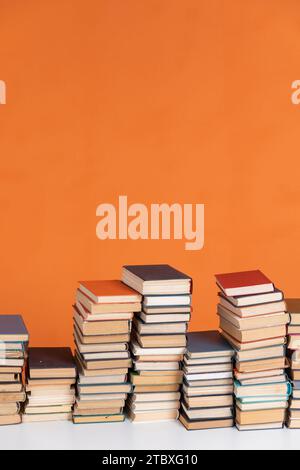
x=128, y=436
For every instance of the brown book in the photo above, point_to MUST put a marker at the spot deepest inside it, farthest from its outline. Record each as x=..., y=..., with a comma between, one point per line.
x=137, y=379
x=213, y=401
x=196, y=425
x=87, y=316
x=96, y=411
x=163, y=341
x=161, y=373
x=101, y=327
x=295, y=374
x=260, y=416
x=9, y=378
x=252, y=335
x=10, y=419
x=260, y=365
x=51, y=363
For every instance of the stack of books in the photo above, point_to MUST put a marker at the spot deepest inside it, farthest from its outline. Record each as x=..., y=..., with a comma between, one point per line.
x=207, y=399
x=158, y=340
x=51, y=375
x=293, y=308
x=103, y=316
x=13, y=346
x=253, y=319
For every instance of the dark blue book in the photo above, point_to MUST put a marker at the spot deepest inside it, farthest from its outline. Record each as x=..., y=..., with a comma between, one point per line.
x=13, y=329
x=207, y=344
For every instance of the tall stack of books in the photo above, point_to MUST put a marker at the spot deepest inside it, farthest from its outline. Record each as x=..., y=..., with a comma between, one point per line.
x=51, y=374
x=293, y=308
x=207, y=400
x=158, y=340
x=103, y=316
x=13, y=350
x=253, y=319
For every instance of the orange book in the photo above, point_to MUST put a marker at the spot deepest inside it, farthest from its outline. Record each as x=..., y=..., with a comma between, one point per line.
x=106, y=292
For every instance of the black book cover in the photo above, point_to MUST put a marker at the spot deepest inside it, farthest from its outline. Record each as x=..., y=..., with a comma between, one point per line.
x=50, y=358
x=207, y=342
x=156, y=272
x=12, y=325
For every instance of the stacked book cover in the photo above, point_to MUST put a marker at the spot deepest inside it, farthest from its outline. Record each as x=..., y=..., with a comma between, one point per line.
x=293, y=308
x=207, y=392
x=50, y=393
x=103, y=316
x=253, y=320
x=13, y=351
x=158, y=341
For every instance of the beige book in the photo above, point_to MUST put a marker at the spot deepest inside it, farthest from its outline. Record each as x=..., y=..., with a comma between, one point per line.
x=10, y=419
x=261, y=321
x=147, y=416
x=260, y=416
x=209, y=401
x=252, y=335
x=253, y=344
x=35, y=418
x=78, y=419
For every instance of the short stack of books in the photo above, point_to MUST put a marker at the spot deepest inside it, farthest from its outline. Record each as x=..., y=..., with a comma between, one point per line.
x=51, y=375
x=253, y=319
x=102, y=323
x=158, y=341
x=293, y=309
x=13, y=350
x=207, y=399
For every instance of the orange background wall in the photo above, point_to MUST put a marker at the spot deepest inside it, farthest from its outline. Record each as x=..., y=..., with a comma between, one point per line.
x=163, y=101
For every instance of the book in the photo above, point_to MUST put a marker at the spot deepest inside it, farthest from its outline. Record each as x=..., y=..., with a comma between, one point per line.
x=153, y=415
x=261, y=321
x=109, y=292
x=257, y=302
x=156, y=279
x=89, y=328
x=51, y=362
x=12, y=328
x=98, y=309
x=244, y=283
x=198, y=424
x=247, y=346
x=260, y=416
x=164, y=318
x=167, y=309
x=163, y=340
x=252, y=335
x=159, y=328
x=79, y=309
x=207, y=344
x=166, y=300
x=104, y=418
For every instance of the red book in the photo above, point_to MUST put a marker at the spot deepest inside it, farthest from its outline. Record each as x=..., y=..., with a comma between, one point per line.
x=244, y=283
